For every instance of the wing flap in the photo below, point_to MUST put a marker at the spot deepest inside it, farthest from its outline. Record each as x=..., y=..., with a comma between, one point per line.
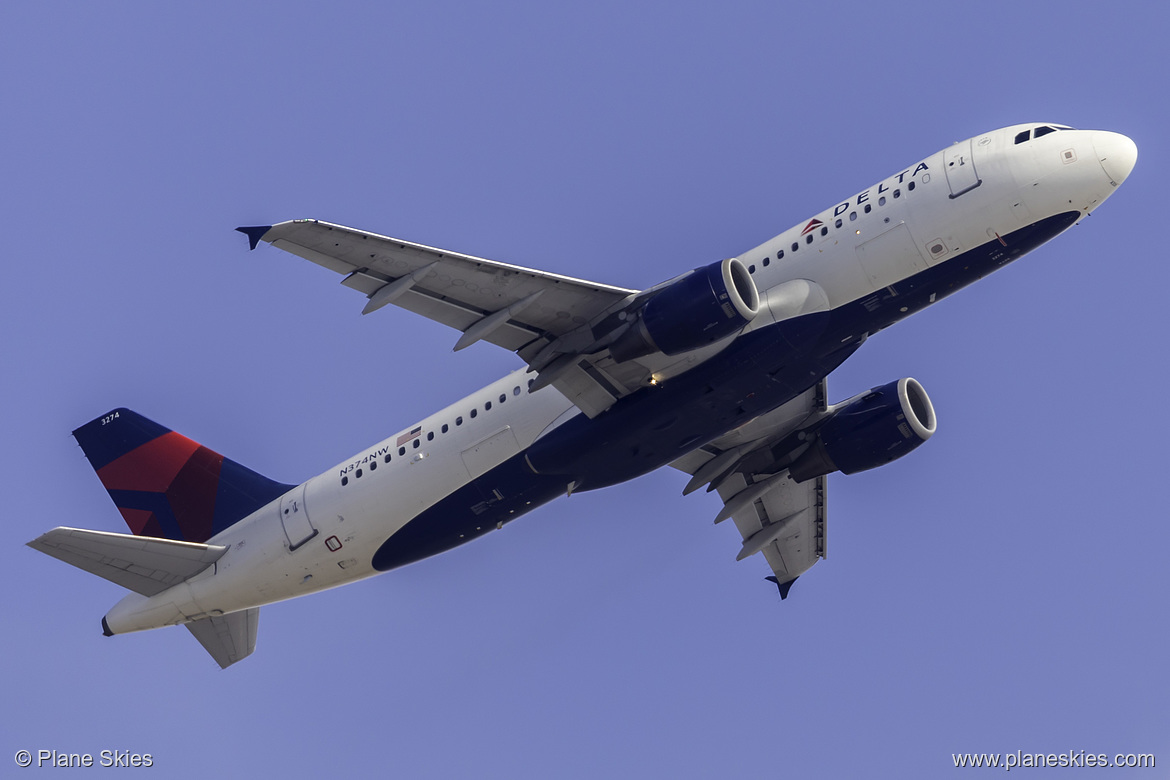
x=228, y=638
x=143, y=564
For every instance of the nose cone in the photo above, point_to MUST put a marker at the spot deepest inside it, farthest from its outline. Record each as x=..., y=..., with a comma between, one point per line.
x=1116, y=153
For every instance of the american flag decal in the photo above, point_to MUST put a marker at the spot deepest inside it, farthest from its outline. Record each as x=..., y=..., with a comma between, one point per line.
x=404, y=438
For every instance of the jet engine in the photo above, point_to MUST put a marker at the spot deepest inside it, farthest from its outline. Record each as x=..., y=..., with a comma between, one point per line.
x=868, y=430
x=690, y=312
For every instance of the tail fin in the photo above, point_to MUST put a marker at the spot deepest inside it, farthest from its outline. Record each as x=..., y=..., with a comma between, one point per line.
x=166, y=485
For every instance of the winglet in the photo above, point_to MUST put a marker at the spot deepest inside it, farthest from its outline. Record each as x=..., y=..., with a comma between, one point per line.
x=783, y=586
x=254, y=233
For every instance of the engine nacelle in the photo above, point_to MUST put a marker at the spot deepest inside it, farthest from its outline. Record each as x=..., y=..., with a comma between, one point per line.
x=693, y=311
x=869, y=430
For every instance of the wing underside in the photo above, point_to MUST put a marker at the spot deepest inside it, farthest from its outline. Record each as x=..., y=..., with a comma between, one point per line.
x=777, y=516
x=550, y=320
x=455, y=289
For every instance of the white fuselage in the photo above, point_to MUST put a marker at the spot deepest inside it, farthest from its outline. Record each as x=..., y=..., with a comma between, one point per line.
x=326, y=531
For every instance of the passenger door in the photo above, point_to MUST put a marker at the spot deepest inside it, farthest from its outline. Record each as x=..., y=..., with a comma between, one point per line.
x=295, y=518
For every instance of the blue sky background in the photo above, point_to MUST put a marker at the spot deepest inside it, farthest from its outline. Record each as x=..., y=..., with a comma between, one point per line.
x=1003, y=588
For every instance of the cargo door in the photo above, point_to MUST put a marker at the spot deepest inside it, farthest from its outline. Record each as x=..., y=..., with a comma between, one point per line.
x=295, y=518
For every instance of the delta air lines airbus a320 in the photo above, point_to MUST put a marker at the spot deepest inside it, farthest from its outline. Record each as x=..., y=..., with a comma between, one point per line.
x=719, y=372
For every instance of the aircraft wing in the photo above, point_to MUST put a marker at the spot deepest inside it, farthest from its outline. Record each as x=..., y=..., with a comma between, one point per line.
x=544, y=317
x=783, y=519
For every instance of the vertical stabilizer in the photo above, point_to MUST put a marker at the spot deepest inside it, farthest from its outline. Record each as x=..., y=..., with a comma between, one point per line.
x=166, y=485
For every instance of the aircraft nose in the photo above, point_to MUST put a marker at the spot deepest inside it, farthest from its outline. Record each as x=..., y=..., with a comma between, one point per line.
x=1116, y=153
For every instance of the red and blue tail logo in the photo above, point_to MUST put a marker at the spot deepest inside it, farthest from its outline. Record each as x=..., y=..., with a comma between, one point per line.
x=166, y=485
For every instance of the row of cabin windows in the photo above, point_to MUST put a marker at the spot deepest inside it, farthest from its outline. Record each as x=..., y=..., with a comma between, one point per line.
x=487, y=407
x=825, y=228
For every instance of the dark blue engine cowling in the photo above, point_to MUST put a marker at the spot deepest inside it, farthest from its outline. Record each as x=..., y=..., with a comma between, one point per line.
x=869, y=430
x=697, y=309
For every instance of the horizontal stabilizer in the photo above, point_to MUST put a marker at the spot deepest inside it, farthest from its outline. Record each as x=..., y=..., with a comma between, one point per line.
x=142, y=564
x=229, y=638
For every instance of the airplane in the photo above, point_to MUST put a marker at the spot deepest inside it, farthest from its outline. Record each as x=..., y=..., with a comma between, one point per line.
x=719, y=372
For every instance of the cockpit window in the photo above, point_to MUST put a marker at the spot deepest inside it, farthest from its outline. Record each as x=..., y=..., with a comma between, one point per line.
x=1025, y=135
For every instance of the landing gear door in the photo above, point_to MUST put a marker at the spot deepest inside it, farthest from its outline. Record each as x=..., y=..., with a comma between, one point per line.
x=295, y=518
x=960, y=168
